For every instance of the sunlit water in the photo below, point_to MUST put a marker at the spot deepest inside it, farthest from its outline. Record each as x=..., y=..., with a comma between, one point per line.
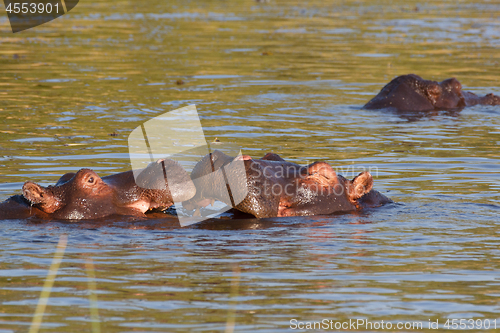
x=283, y=77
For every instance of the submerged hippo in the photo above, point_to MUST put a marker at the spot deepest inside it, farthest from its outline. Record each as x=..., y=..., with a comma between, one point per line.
x=412, y=93
x=85, y=195
x=271, y=187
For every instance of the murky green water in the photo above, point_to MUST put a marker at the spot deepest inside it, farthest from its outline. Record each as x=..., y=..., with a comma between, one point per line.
x=285, y=76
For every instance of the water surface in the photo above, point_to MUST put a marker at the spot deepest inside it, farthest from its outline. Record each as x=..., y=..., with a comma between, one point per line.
x=288, y=77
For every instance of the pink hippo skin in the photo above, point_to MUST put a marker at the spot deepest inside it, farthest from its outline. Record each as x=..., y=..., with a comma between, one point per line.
x=412, y=93
x=279, y=188
x=85, y=195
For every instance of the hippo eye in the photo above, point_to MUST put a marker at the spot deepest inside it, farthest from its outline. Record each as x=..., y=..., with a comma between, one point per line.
x=91, y=180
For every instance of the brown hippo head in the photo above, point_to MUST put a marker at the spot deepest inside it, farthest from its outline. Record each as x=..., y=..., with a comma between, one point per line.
x=274, y=187
x=85, y=195
x=412, y=93
x=320, y=190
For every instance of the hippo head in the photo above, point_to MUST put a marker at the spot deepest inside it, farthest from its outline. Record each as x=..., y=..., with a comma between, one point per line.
x=412, y=93
x=85, y=195
x=271, y=186
x=322, y=191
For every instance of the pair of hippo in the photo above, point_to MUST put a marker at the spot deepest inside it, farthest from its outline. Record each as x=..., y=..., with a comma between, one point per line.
x=305, y=190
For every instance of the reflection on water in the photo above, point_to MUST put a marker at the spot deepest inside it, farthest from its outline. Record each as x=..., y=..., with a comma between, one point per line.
x=287, y=77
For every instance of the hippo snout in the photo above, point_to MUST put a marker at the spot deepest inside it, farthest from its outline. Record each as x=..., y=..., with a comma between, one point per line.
x=168, y=176
x=34, y=193
x=41, y=196
x=182, y=191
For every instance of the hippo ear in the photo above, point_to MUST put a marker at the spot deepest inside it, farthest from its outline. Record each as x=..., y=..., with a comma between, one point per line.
x=65, y=178
x=360, y=185
x=272, y=157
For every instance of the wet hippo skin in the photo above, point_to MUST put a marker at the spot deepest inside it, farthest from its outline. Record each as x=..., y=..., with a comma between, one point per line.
x=85, y=195
x=412, y=93
x=276, y=187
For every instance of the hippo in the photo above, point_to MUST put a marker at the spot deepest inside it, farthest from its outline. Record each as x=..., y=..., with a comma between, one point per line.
x=273, y=187
x=85, y=195
x=412, y=93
